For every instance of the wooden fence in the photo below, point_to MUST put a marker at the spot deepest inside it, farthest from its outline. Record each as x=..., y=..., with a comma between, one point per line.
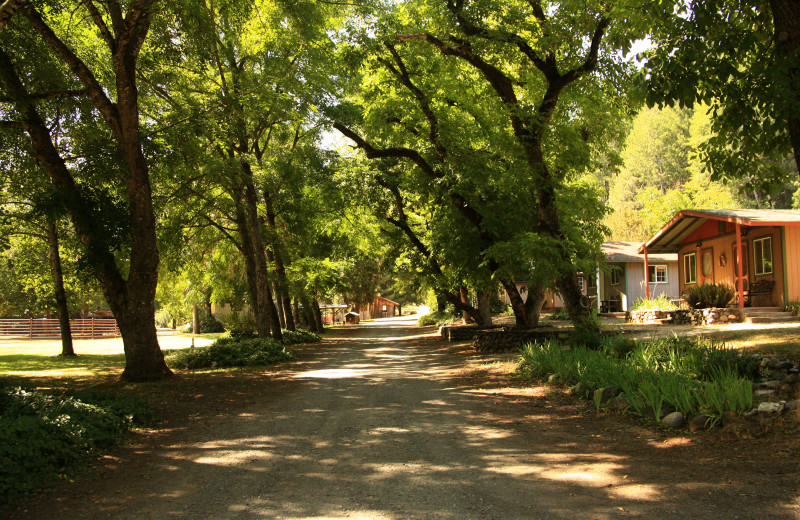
x=49, y=328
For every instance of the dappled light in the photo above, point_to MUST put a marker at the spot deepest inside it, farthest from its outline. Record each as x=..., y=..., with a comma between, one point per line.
x=363, y=429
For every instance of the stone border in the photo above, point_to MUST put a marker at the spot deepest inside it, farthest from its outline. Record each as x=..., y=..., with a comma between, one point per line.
x=681, y=317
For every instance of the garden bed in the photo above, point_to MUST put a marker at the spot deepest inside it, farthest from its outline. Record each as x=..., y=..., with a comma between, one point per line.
x=709, y=316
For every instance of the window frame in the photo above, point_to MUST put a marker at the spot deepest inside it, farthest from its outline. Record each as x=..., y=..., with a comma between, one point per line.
x=663, y=268
x=757, y=244
x=581, y=283
x=686, y=279
x=616, y=275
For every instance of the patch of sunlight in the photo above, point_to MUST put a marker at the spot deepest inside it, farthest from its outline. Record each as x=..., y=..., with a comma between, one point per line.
x=475, y=432
x=638, y=492
x=332, y=373
x=405, y=338
x=517, y=469
x=596, y=475
x=437, y=402
x=381, y=431
x=672, y=442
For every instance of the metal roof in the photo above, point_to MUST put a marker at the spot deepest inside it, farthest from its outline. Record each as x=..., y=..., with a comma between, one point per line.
x=669, y=238
x=629, y=252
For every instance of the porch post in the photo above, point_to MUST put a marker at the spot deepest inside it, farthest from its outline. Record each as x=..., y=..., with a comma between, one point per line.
x=739, y=267
x=599, y=291
x=646, y=275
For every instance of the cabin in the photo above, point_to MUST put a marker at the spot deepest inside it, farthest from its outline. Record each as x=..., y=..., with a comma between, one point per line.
x=621, y=281
x=755, y=251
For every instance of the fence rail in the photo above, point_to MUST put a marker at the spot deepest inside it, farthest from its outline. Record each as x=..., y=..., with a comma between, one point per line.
x=49, y=328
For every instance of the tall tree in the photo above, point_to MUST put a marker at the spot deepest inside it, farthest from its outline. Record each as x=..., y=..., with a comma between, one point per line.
x=742, y=58
x=95, y=55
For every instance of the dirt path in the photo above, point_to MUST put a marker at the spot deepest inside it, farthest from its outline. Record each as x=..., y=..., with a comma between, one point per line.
x=390, y=424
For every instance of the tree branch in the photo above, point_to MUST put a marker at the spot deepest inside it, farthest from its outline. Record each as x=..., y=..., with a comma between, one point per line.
x=101, y=25
x=79, y=68
x=8, y=9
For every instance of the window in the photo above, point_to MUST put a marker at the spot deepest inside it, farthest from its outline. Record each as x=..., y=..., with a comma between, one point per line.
x=657, y=274
x=581, y=284
x=616, y=275
x=762, y=249
x=689, y=268
x=706, y=266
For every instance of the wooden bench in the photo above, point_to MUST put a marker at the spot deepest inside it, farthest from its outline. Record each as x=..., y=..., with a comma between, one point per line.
x=759, y=288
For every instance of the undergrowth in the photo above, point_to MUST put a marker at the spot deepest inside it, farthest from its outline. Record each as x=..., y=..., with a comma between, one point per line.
x=678, y=373
x=230, y=352
x=44, y=437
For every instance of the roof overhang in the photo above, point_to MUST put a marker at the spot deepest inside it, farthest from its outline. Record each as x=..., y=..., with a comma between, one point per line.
x=670, y=237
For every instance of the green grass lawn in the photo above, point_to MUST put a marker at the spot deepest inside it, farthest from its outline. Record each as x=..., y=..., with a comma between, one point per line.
x=96, y=359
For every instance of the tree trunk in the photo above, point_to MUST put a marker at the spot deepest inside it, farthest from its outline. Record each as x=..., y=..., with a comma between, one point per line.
x=533, y=305
x=485, y=308
x=317, y=315
x=786, y=23
x=195, y=319
x=295, y=312
x=58, y=287
x=463, y=294
x=137, y=327
x=280, y=270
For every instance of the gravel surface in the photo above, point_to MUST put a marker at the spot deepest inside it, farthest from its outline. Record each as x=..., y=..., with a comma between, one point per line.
x=384, y=421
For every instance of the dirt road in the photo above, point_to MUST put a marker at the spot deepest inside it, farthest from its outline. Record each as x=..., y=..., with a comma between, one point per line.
x=382, y=422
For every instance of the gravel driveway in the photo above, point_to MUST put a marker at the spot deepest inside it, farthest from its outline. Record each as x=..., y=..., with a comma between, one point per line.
x=374, y=423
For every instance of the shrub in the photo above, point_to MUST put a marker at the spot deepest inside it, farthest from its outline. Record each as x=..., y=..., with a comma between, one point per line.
x=163, y=318
x=794, y=308
x=295, y=337
x=240, y=325
x=230, y=352
x=670, y=372
x=43, y=436
x=559, y=314
x=436, y=318
x=708, y=295
x=209, y=323
x=662, y=303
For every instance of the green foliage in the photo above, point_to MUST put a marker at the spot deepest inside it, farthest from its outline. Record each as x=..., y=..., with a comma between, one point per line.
x=240, y=325
x=676, y=372
x=794, y=307
x=209, y=323
x=230, y=352
x=296, y=337
x=437, y=318
x=43, y=436
x=707, y=296
x=660, y=303
x=559, y=314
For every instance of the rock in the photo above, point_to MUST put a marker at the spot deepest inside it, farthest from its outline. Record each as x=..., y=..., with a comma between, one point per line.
x=790, y=379
x=784, y=365
x=752, y=414
x=733, y=317
x=674, y=420
x=699, y=423
x=730, y=417
x=723, y=319
x=794, y=370
x=771, y=362
x=618, y=404
x=579, y=389
x=778, y=375
x=763, y=393
x=792, y=405
x=603, y=395
x=770, y=384
x=771, y=408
